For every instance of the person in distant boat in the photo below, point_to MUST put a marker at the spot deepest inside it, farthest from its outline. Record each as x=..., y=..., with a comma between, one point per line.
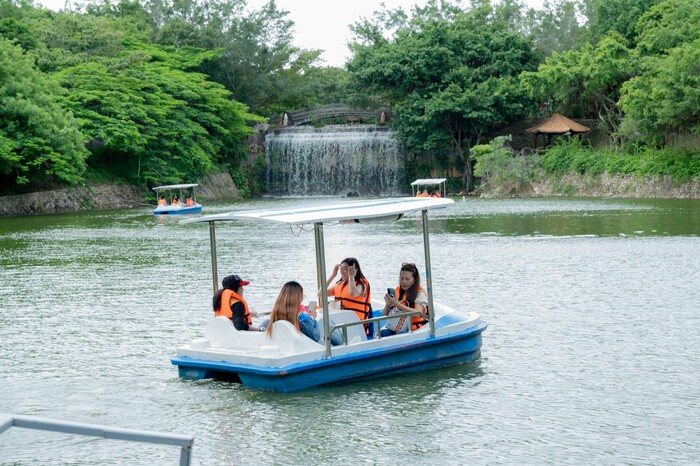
x=425, y=193
x=176, y=200
x=352, y=293
x=408, y=296
x=435, y=194
x=189, y=202
x=229, y=302
x=162, y=201
x=419, y=193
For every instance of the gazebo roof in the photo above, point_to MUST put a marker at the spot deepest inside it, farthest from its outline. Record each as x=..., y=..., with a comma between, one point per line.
x=558, y=124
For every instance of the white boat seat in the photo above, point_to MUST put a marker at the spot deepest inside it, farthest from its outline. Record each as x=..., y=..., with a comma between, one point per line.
x=356, y=333
x=290, y=340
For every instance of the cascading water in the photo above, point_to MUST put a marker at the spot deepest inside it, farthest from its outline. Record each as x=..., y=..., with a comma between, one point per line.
x=335, y=160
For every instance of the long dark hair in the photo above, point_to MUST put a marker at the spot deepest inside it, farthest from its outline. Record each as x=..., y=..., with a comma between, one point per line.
x=287, y=305
x=412, y=292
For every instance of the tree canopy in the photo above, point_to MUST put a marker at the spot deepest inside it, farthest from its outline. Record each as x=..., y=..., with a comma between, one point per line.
x=452, y=76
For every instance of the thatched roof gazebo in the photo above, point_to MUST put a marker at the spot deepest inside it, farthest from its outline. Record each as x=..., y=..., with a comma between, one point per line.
x=556, y=125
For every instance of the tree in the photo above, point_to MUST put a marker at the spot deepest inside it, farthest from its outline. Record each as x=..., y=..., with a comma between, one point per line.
x=665, y=97
x=585, y=83
x=156, y=121
x=39, y=140
x=452, y=77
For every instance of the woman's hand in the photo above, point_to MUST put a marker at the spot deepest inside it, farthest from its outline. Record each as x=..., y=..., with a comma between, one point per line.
x=352, y=271
x=391, y=300
x=336, y=267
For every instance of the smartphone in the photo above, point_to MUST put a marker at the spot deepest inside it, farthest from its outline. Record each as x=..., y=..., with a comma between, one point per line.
x=391, y=291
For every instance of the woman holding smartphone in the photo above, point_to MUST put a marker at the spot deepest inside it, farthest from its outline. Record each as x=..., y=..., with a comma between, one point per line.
x=408, y=296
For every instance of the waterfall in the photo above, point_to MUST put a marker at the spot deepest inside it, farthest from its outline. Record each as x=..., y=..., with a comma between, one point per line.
x=334, y=160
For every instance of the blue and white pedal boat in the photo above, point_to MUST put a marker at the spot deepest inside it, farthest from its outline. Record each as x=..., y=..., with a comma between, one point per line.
x=289, y=361
x=174, y=209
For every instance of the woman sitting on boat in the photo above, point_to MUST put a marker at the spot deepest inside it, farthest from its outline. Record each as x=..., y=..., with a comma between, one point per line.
x=408, y=296
x=229, y=302
x=176, y=200
x=162, y=201
x=189, y=202
x=288, y=306
x=352, y=294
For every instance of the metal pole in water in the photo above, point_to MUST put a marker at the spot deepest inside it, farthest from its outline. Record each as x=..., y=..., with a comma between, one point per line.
x=428, y=274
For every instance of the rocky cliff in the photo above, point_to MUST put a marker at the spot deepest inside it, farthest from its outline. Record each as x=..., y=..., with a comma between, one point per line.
x=105, y=196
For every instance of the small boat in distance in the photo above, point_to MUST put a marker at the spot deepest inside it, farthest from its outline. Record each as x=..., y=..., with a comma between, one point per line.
x=170, y=203
x=289, y=361
x=432, y=183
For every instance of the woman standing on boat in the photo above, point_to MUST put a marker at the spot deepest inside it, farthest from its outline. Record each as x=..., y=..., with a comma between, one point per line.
x=229, y=302
x=408, y=296
x=352, y=294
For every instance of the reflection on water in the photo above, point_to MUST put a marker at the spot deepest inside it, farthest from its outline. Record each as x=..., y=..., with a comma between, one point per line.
x=591, y=355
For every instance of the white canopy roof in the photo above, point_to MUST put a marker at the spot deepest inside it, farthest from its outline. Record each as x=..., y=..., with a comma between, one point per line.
x=426, y=181
x=379, y=209
x=175, y=186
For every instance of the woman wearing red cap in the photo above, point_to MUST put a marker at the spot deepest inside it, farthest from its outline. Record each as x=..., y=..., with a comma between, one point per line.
x=229, y=302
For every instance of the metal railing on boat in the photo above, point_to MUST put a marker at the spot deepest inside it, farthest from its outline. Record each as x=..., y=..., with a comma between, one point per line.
x=375, y=322
x=185, y=442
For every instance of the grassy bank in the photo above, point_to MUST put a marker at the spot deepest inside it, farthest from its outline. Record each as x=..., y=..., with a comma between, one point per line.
x=568, y=168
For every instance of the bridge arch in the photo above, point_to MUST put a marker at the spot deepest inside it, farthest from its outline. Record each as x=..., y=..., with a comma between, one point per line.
x=306, y=116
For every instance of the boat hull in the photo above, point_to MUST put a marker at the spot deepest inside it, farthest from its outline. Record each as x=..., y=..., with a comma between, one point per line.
x=179, y=210
x=428, y=353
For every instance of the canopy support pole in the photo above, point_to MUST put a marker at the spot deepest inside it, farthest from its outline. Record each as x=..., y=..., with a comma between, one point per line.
x=321, y=277
x=214, y=269
x=428, y=274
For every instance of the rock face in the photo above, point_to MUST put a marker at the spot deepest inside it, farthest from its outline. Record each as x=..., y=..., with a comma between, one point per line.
x=104, y=196
x=217, y=186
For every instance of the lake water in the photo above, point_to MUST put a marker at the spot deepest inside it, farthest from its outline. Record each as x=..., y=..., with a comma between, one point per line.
x=592, y=355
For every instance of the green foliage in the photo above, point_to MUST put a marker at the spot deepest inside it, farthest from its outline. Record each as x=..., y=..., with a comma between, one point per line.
x=496, y=164
x=571, y=156
x=452, y=76
x=585, y=83
x=39, y=141
x=168, y=124
x=618, y=16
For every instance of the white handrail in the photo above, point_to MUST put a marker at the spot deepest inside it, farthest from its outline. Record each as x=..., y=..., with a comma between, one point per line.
x=185, y=442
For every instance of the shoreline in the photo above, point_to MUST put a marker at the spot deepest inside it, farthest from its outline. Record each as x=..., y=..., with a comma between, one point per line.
x=115, y=196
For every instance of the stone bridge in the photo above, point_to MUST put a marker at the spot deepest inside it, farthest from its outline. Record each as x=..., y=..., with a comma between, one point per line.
x=306, y=116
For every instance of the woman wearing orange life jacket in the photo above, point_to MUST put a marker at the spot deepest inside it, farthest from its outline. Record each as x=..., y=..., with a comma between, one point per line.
x=229, y=302
x=353, y=294
x=162, y=201
x=408, y=296
x=189, y=202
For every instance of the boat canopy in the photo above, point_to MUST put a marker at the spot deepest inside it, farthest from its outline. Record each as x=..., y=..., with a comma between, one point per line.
x=174, y=186
x=357, y=211
x=428, y=181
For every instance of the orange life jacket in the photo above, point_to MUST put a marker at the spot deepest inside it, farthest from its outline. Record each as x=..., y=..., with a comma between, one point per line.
x=425, y=194
x=417, y=321
x=359, y=304
x=189, y=202
x=229, y=297
x=162, y=202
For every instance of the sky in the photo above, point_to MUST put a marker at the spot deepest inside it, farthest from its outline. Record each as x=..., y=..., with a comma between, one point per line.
x=320, y=24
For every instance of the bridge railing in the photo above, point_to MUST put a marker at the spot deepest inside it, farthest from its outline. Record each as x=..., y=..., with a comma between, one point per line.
x=306, y=115
x=185, y=442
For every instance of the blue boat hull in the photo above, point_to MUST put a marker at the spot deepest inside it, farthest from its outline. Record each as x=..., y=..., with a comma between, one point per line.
x=184, y=210
x=421, y=355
